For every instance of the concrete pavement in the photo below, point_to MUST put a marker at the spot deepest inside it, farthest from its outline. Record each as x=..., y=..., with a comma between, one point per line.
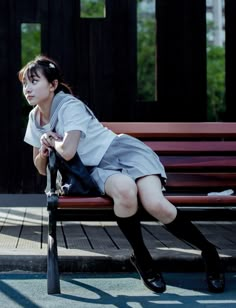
x=88, y=290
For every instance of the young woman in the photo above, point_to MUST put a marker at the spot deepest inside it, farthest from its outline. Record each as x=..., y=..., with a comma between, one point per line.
x=123, y=167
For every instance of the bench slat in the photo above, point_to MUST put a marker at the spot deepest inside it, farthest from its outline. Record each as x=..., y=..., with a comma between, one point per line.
x=192, y=147
x=174, y=130
x=202, y=200
x=90, y=202
x=104, y=203
x=199, y=180
x=199, y=162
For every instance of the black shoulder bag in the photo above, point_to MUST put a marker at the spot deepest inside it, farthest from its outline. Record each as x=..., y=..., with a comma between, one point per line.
x=75, y=177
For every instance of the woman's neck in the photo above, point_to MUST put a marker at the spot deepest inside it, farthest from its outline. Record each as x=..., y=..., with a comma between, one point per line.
x=44, y=120
x=44, y=112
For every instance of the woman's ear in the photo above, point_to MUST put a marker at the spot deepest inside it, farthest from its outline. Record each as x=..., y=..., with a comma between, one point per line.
x=54, y=85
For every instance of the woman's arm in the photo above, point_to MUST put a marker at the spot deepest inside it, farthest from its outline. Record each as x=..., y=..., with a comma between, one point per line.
x=67, y=147
x=40, y=160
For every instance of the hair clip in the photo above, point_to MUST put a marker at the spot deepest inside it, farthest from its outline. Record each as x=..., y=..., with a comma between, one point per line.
x=51, y=65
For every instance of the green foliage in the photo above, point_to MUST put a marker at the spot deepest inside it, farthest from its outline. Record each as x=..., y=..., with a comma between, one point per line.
x=215, y=78
x=146, y=53
x=30, y=47
x=146, y=60
x=30, y=41
x=92, y=8
x=215, y=82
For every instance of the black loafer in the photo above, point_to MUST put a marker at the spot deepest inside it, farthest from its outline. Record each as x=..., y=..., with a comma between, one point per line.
x=214, y=272
x=151, y=279
x=216, y=282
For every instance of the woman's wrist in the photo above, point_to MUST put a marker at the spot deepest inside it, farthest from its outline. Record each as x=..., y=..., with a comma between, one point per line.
x=42, y=154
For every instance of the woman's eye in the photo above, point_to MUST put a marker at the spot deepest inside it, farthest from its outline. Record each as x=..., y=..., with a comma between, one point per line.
x=34, y=81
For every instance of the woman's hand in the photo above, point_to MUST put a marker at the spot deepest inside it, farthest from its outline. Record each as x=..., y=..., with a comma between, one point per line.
x=66, y=146
x=48, y=139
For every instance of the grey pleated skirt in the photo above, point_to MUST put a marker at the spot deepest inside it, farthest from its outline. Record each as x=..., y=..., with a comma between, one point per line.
x=129, y=156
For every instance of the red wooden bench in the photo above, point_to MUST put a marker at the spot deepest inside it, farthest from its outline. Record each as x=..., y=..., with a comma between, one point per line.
x=199, y=158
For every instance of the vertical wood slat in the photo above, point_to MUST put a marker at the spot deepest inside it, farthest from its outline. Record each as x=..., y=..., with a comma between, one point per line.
x=181, y=58
x=4, y=90
x=123, y=24
x=107, y=61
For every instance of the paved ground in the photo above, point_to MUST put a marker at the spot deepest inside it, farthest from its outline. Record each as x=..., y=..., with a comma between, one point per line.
x=113, y=290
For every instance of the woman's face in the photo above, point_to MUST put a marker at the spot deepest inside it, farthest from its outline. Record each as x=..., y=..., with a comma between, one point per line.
x=37, y=90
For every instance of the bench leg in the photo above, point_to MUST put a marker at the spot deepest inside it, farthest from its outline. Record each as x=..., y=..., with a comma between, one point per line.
x=53, y=277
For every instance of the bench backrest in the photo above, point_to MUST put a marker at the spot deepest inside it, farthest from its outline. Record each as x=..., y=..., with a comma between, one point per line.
x=198, y=157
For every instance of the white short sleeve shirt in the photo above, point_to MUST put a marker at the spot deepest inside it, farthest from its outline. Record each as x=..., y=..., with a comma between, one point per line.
x=74, y=115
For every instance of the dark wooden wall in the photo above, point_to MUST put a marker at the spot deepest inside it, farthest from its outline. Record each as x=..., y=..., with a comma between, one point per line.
x=181, y=61
x=98, y=57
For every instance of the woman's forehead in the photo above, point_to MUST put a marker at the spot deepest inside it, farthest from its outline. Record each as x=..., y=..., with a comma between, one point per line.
x=32, y=72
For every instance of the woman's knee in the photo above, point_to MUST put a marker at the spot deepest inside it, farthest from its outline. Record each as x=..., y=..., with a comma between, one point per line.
x=126, y=195
x=161, y=209
x=155, y=205
x=153, y=200
x=123, y=190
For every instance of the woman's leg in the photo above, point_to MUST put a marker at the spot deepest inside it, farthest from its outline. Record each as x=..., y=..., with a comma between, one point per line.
x=123, y=191
x=151, y=196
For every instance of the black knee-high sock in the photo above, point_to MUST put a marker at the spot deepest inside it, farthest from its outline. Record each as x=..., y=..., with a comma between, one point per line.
x=131, y=228
x=184, y=229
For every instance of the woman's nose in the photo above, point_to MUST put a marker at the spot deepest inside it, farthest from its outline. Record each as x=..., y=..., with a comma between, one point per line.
x=27, y=88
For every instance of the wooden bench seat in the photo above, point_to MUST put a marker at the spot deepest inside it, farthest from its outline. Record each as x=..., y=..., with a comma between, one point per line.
x=199, y=158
